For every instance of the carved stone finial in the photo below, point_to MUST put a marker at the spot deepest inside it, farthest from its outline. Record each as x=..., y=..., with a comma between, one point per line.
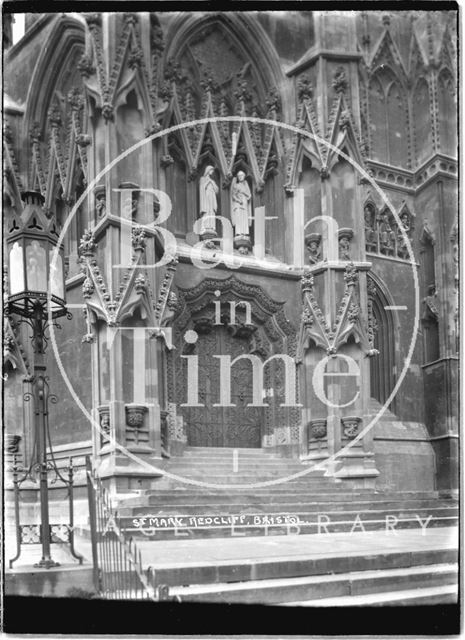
x=75, y=98
x=87, y=288
x=35, y=132
x=107, y=111
x=135, y=58
x=344, y=119
x=208, y=83
x=94, y=20
x=140, y=283
x=54, y=116
x=241, y=93
x=173, y=71
x=156, y=35
x=307, y=281
x=304, y=88
x=273, y=101
x=138, y=238
x=351, y=274
x=87, y=244
x=340, y=80
x=85, y=66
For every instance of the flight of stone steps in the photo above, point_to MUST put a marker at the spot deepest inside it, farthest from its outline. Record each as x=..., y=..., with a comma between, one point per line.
x=310, y=503
x=337, y=571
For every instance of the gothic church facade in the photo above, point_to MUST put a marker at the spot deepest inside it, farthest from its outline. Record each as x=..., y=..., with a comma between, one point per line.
x=298, y=117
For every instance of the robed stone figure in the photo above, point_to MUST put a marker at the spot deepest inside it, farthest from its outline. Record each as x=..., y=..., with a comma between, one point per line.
x=208, y=202
x=241, y=204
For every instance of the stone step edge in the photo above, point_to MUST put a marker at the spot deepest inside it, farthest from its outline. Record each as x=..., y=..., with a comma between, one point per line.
x=298, y=510
x=313, y=566
x=351, y=577
x=382, y=598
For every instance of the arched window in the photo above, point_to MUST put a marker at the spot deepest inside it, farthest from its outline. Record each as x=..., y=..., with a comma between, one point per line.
x=388, y=119
x=422, y=121
x=447, y=113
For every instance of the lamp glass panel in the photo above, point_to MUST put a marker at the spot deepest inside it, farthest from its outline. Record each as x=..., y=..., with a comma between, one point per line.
x=16, y=270
x=56, y=275
x=36, y=267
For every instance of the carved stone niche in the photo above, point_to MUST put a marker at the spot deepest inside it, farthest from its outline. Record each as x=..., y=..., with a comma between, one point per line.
x=351, y=426
x=135, y=415
x=317, y=428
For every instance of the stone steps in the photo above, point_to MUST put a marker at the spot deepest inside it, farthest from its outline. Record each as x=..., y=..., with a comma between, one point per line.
x=282, y=590
x=323, y=565
x=446, y=594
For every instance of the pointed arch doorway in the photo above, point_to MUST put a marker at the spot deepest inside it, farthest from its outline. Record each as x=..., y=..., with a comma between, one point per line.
x=216, y=426
x=382, y=367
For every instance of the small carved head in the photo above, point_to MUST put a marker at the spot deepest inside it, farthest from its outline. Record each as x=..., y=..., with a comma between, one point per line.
x=240, y=176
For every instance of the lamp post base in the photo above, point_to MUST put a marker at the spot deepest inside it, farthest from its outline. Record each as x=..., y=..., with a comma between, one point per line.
x=46, y=563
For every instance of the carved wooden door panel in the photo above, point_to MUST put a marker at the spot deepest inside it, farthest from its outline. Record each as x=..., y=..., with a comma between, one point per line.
x=210, y=426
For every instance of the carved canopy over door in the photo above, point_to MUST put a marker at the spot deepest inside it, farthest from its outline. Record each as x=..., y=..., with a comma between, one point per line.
x=210, y=426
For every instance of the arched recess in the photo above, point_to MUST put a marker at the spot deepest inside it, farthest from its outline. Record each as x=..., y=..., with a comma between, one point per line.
x=382, y=325
x=422, y=126
x=182, y=217
x=258, y=327
x=447, y=113
x=65, y=41
x=388, y=118
x=129, y=131
x=244, y=34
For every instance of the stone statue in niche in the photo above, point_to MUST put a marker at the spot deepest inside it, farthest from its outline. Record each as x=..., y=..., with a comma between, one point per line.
x=386, y=235
x=101, y=204
x=345, y=236
x=313, y=242
x=431, y=310
x=241, y=211
x=208, y=202
x=402, y=250
x=370, y=238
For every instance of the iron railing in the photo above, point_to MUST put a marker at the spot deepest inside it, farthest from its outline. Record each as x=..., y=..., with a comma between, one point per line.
x=118, y=571
x=34, y=533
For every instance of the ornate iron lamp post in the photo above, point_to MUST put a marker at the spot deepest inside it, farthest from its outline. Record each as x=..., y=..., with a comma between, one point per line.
x=35, y=282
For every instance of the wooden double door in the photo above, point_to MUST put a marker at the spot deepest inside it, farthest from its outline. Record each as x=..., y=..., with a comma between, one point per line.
x=210, y=426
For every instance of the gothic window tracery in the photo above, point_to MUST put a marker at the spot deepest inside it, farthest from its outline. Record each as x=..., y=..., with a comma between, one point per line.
x=383, y=235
